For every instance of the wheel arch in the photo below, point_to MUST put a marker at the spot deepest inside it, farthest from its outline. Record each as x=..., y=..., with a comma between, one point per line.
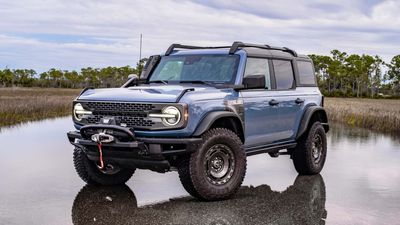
x=221, y=119
x=312, y=114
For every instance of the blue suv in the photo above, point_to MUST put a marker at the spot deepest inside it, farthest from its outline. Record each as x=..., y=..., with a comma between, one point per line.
x=202, y=111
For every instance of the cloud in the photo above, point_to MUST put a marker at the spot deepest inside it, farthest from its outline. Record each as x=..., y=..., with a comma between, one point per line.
x=70, y=34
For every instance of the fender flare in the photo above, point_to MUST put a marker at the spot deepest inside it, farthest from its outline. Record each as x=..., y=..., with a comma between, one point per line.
x=210, y=118
x=308, y=114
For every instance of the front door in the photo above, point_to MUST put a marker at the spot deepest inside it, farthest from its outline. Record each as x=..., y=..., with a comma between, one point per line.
x=261, y=117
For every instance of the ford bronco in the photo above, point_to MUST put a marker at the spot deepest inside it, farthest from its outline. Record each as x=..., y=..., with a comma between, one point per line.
x=202, y=111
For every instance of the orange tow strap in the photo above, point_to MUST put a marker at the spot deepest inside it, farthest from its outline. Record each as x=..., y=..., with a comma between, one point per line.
x=101, y=155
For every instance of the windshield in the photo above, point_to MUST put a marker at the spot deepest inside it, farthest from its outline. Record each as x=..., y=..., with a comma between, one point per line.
x=206, y=68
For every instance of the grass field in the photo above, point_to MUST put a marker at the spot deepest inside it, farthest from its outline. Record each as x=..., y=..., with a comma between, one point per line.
x=28, y=104
x=19, y=105
x=376, y=114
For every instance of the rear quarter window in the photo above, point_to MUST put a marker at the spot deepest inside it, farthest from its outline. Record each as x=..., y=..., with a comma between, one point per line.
x=306, y=73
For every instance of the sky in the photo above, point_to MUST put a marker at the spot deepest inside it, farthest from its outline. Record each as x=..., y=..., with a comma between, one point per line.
x=71, y=34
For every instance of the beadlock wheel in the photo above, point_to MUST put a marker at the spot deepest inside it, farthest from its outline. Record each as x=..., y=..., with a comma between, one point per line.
x=219, y=164
x=310, y=153
x=216, y=170
x=317, y=148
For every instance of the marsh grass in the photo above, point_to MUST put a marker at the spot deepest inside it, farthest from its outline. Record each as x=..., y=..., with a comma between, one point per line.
x=18, y=105
x=376, y=114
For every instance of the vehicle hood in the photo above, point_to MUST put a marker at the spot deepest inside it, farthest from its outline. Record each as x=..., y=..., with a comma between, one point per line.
x=145, y=93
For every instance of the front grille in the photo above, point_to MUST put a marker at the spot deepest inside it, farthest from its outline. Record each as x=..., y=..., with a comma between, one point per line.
x=119, y=106
x=131, y=114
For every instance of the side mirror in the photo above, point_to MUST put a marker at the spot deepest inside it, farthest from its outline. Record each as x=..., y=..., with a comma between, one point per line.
x=254, y=82
x=133, y=76
x=133, y=80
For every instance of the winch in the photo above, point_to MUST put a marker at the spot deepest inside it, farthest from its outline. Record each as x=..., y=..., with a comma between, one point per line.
x=100, y=138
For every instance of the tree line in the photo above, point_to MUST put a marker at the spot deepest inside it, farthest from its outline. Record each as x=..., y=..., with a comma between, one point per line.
x=338, y=74
x=341, y=74
x=56, y=78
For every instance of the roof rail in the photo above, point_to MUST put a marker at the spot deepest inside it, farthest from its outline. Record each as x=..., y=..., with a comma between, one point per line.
x=173, y=46
x=232, y=49
x=237, y=44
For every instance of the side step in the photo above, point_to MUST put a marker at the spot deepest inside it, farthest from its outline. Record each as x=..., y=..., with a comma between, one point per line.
x=273, y=148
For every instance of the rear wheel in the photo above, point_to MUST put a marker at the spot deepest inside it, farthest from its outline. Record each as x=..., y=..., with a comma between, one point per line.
x=310, y=153
x=89, y=172
x=216, y=170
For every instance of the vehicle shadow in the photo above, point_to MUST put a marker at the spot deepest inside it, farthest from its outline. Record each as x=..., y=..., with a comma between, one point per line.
x=301, y=203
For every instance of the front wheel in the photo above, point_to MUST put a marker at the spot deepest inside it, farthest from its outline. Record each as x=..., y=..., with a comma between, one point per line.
x=310, y=153
x=89, y=172
x=217, y=169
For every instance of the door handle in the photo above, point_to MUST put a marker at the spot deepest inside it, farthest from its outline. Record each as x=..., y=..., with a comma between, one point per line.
x=273, y=102
x=299, y=101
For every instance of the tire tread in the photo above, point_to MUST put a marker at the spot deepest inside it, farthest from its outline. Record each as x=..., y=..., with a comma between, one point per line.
x=188, y=168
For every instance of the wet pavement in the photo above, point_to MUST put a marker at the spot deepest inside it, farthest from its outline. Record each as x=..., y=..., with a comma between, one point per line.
x=360, y=184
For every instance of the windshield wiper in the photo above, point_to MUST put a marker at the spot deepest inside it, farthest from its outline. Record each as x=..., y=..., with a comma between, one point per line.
x=197, y=82
x=159, y=81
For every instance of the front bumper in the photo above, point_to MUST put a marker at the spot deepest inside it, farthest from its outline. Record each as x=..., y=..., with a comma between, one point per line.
x=138, y=152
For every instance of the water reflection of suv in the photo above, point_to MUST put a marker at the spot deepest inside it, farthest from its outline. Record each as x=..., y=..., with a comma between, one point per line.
x=202, y=110
x=303, y=202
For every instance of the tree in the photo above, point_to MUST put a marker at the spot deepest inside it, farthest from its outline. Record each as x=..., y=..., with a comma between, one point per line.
x=393, y=73
x=56, y=76
x=107, y=76
x=44, y=79
x=321, y=64
x=24, y=77
x=355, y=71
x=73, y=78
x=6, y=77
x=337, y=70
x=91, y=76
x=376, y=75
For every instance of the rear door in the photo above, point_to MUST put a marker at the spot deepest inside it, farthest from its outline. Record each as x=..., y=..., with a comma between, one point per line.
x=290, y=103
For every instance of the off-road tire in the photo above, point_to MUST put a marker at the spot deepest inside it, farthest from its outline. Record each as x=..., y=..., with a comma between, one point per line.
x=302, y=155
x=88, y=171
x=184, y=176
x=193, y=175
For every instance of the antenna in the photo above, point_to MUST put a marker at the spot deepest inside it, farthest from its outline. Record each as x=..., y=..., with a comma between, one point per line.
x=140, y=49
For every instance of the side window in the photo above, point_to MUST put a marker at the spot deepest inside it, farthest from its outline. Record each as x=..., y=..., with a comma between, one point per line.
x=283, y=74
x=306, y=73
x=258, y=66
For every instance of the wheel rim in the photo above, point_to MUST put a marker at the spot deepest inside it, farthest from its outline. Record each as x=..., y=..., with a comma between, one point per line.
x=109, y=169
x=317, y=148
x=219, y=164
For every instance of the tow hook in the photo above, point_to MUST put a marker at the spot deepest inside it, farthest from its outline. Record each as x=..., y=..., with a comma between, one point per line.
x=101, y=138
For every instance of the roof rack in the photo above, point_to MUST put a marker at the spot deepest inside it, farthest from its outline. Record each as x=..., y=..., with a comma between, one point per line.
x=232, y=49
x=237, y=44
x=173, y=46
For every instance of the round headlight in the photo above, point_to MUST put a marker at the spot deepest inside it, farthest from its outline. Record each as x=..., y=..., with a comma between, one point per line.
x=173, y=116
x=79, y=112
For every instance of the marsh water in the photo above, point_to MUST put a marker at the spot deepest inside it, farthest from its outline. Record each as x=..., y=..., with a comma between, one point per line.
x=360, y=184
